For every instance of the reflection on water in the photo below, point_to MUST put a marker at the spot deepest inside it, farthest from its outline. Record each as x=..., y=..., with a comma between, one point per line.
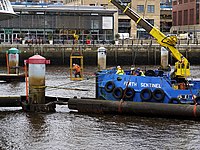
x=65, y=130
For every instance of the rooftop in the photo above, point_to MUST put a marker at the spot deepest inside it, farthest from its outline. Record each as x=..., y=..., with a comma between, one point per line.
x=60, y=8
x=6, y=10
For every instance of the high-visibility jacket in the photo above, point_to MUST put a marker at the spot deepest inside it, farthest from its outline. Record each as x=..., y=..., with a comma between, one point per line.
x=142, y=73
x=120, y=71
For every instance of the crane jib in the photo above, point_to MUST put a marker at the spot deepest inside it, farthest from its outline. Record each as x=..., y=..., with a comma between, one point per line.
x=133, y=15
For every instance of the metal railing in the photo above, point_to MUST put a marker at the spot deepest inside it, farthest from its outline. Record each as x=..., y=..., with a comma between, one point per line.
x=107, y=42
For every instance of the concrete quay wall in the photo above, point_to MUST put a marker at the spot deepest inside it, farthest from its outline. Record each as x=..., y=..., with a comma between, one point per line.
x=116, y=54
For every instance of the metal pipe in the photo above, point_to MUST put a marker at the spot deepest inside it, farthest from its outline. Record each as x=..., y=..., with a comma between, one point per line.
x=134, y=108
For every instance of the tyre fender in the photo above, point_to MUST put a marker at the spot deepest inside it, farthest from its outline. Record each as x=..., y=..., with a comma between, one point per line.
x=158, y=94
x=146, y=94
x=117, y=92
x=129, y=93
x=110, y=85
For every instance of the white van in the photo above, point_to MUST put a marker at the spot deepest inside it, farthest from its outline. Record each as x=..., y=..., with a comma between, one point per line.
x=183, y=36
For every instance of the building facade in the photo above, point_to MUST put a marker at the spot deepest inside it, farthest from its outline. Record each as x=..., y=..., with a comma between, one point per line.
x=150, y=10
x=44, y=18
x=40, y=22
x=186, y=17
x=165, y=16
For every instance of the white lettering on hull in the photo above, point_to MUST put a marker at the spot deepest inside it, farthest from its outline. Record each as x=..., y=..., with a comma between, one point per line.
x=151, y=85
x=130, y=83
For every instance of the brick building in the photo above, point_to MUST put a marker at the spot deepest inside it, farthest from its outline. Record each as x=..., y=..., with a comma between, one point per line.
x=185, y=15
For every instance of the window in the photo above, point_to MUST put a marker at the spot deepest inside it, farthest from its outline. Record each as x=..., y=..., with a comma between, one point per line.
x=197, y=11
x=185, y=19
x=191, y=21
x=174, y=19
x=104, y=5
x=125, y=1
x=140, y=8
x=151, y=21
x=179, y=17
x=174, y=2
x=124, y=25
x=150, y=8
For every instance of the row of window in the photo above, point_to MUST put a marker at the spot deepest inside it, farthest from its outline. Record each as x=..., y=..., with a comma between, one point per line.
x=177, y=2
x=150, y=8
x=141, y=8
x=69, y=1
x=183, y=17
x=33, y=35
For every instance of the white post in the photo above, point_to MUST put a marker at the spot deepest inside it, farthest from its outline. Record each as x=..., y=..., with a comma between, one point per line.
x=102, y=58
x=164, y=58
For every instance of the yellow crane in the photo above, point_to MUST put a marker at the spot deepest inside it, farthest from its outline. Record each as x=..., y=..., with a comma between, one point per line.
x=182, y=66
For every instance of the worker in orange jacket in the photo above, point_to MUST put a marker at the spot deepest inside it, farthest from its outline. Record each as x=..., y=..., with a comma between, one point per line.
x=77, y=70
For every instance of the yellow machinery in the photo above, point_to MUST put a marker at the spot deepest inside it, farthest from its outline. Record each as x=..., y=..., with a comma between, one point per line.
x=76, y=56
x=182, y=66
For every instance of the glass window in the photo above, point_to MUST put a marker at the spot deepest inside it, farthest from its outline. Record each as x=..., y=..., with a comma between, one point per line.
x=150, y=8
x=151, y=21
x=174, y=2
x=174, y=17
x=185, y=19
x=191, y=20
x=140, y=8
x=197, y=12
x=179, y=17
x=126, y=1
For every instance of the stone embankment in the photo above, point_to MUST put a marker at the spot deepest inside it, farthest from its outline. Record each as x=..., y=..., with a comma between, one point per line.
x=138, y=54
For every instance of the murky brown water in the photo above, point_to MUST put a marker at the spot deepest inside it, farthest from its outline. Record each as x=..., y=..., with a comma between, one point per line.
x=65, y=130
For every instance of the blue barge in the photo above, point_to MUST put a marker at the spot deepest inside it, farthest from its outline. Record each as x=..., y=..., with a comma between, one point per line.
x=155, y=95
x=157, y=87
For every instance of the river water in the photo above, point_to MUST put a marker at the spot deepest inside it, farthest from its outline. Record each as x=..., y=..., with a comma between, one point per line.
x=65, y=130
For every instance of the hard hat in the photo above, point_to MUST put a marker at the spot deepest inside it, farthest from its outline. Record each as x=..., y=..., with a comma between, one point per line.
x=118, y=67
x=74, y=64
x=138, y=68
